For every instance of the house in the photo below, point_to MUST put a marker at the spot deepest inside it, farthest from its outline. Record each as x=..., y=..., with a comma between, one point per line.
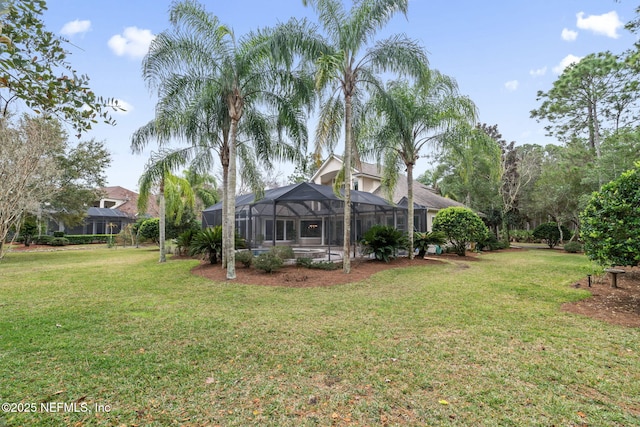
x=311, y=213
x=109, y=215
x=368, y=177
x=305, y=214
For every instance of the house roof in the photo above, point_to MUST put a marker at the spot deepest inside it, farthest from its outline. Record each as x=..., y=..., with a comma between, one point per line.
x=302, y=192
x=106, y=213
x=130, y=201
x=423, y=196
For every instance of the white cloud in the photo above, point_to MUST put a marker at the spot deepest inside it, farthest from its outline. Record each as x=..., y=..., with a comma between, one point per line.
x=75, y=27
x=606, y=24
x=539, y=72
x=511, y=85
x=569, y=35
x=566, y=61
x=123, y=107
x=133, y=42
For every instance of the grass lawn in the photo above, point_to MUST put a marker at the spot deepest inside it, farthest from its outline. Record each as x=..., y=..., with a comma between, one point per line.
x=482, y=343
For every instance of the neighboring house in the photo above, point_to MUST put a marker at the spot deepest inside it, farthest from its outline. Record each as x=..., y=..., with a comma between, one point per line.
x=109, y=215
x=368, y=178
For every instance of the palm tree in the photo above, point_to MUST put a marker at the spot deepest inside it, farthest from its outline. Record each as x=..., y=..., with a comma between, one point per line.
x=201, y=61
x=347, y=69
x=412, y=117
x=176, y=190
x=204, y=186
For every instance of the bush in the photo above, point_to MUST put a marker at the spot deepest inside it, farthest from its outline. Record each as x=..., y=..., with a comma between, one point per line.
x=490, y=243
x=207, y=242
x=268, y=262
x=549, y=233
x=283, y=252
x=58, y=234
x=383, y=242
x=245, y=258
x=460, y=226
x=320, y=265
x=150, y=229
x=183, y=241
x=611, y=222
x=59, y=241
x=522, y=236
x=573, y=247
x=422, y=241
x=43, y=240
x=304, y=262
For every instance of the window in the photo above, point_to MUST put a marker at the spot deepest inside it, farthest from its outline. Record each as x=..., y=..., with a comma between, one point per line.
x=311, y=228
x=285, y=230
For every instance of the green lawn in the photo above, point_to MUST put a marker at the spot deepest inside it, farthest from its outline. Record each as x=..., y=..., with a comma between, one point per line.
x=482, y=343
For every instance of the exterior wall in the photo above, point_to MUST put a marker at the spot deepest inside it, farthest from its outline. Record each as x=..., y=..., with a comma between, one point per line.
x=369, y=184
x=327, y=173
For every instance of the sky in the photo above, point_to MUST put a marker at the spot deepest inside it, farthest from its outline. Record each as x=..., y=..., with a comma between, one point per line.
x=501, y=53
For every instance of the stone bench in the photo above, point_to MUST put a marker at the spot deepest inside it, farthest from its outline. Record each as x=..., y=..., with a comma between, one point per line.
x=613, y=272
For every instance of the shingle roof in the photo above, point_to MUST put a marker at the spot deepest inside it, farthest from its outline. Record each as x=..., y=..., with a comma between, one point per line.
x=422, y=195
x=130, y=198
x=301, y=192
x=106, y=213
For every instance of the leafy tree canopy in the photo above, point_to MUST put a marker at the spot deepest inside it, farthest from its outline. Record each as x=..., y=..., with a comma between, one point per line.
x=35, y=70
x=611, y=221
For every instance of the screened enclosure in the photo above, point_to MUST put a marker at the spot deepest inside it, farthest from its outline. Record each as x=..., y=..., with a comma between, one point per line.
x=306, y=215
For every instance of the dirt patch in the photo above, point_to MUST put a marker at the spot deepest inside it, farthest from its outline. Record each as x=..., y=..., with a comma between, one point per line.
x=619, y=306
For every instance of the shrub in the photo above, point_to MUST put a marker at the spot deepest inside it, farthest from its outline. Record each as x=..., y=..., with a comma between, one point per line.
x=183, y=241
x=150, y=229
x=268, y=262
x=59, y=241
x=245, y=258
x=320, y=265
x=207, y=242
x=422, y=241
x=85, y=239
x=460, y=226
x=611, y=222
x=324, y=265
x=28, y=229
x=283, y=252
x=549, y=233
x=573, y=247
x=58, y=234
x=522, y=236
x=383, y=242
x=43, y=240
x=491, y=243
x=304, y=262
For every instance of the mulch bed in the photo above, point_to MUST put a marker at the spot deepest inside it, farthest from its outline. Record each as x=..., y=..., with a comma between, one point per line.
x=300, y=277
x=619, y=306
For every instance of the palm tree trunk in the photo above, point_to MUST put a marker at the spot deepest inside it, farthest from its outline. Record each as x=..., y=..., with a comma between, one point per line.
x=348, y=149
x=410, y=225
x=231, y=203
x=163, y=220
x=224, y=158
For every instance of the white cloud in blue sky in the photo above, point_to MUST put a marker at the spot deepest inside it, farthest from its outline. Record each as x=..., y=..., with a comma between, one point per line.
x=133, y=42
x=75, y=27
x=126, y=108
x=511, y=85
x=539, y=72
x=606, y=24
x=569, y=35
x=566, y=61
